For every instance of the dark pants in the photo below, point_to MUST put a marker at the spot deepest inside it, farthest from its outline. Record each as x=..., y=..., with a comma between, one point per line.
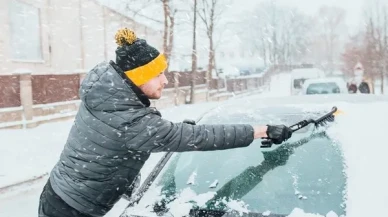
x=51, y=205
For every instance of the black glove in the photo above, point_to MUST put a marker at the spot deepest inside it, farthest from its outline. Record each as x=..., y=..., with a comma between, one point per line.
x=278, y=133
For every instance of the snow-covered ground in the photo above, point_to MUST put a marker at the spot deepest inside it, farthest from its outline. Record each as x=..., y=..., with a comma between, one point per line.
x=360, y=130
x=33, y=152
x=280, y=85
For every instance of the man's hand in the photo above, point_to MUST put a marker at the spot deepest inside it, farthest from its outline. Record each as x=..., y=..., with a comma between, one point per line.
x=278, y=133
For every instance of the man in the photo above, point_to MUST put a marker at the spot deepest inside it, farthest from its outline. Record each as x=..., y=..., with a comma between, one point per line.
x=364, y=87
x=115, y=131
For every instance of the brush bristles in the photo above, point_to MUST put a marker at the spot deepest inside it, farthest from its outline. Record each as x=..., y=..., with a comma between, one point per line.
x=325, y=121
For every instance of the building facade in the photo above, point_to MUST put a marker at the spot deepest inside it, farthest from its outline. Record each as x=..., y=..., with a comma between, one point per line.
x=61, y=37
x=46, y=48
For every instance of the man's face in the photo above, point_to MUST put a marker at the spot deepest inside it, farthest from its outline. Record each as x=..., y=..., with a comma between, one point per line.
x=153, y=88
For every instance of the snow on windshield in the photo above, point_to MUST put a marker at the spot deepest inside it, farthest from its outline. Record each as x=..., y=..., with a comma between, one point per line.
x=360, y=131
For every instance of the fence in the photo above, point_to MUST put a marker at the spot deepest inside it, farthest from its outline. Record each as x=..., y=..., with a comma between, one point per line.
x=28, y=100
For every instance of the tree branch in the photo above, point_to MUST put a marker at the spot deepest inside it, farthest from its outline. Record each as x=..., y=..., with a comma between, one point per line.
x=138, y=11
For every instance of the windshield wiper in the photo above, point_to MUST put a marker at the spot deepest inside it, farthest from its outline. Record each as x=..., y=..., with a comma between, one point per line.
x=214, y=213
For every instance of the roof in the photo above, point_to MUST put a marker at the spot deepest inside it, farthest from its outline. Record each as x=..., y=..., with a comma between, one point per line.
x=325, y=80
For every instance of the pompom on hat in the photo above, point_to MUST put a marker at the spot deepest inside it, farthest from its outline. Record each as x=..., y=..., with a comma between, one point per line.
x=140, y=61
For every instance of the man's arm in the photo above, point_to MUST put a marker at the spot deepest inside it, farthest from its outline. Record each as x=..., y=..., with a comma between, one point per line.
x=154, y=134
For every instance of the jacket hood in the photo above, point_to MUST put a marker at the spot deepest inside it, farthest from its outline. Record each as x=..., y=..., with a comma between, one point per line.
x=106, y=88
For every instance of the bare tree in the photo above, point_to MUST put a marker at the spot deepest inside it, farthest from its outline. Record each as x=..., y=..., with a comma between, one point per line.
x=354, y=52
x=262, y=30
x=136, y=7
x=297, y=36
x=168, y=41
x=330, y=24
x=280, y=34
x=370, y=45
x=377, y=39
x=210, y=12
x=169, y=24
x=194, y=56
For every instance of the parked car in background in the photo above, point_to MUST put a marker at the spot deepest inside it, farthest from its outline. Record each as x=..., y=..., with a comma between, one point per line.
x=334, y=85
x=299, y=76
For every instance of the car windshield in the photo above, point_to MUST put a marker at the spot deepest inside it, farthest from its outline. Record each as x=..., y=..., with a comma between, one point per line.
x=323, y=88
x=306, y=173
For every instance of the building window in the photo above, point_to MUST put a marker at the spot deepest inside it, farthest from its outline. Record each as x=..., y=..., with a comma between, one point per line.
x=25, y=32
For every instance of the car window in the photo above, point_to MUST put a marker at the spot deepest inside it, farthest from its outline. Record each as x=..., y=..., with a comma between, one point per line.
x=323, y=88
x=298, y=83
x=304, y=173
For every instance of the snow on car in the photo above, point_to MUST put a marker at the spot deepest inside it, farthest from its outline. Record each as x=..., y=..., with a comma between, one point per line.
x=333, y=85
x=300, y=75
x=306, y=174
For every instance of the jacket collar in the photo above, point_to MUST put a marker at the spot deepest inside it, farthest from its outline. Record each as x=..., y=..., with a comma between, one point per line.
x=142, y=97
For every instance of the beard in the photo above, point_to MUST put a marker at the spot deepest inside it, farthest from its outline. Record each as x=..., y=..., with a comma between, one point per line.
x=156, y=95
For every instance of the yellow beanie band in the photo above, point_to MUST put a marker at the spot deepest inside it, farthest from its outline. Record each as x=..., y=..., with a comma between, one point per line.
x=143, y=74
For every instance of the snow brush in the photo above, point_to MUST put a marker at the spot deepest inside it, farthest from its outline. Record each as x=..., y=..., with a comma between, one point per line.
x=329, y=117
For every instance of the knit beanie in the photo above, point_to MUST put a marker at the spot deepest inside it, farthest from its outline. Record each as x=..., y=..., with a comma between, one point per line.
x=140, y=61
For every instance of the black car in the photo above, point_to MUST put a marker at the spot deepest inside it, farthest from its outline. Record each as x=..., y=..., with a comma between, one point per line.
x=306, y=172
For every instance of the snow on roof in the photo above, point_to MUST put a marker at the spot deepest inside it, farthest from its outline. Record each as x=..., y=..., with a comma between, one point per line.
x=324, y=80
x=340, y=82
x=338, y=72
x=307, y=73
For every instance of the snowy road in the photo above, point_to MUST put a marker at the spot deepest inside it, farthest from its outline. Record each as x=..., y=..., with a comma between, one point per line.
x=280, y=85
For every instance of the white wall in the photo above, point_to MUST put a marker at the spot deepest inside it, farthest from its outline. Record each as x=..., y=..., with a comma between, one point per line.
x=10, y=64
x=64, y=22
x=93, y=33
x=72, y=49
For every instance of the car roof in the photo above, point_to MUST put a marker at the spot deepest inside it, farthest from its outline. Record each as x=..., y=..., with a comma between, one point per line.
x=325, y=80
x=307, y=73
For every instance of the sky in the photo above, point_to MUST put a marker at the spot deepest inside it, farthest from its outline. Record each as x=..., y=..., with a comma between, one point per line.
x=236, y=8
x=353, y=8
x=235, y=11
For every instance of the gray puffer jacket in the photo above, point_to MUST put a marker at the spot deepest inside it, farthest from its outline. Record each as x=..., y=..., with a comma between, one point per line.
x=113, y=135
